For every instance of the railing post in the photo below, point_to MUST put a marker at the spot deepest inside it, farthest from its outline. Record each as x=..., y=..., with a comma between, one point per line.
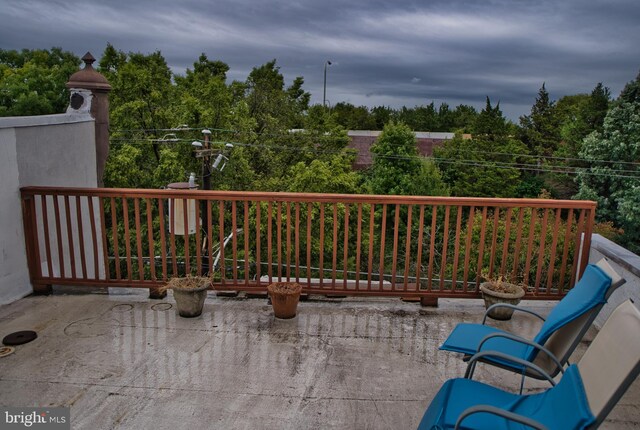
x=31, y=241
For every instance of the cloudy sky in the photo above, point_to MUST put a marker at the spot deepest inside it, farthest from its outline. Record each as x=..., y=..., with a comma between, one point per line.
x=392, y=52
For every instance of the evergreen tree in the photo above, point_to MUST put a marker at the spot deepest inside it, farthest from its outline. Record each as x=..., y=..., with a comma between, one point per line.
x=541, y=129
x=483, y=166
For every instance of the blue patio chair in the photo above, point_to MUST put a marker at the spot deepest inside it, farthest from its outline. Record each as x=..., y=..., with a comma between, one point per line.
x=582, y=399
x=559, y=335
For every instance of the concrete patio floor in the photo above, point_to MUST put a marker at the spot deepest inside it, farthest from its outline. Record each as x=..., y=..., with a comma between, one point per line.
x=123, y=361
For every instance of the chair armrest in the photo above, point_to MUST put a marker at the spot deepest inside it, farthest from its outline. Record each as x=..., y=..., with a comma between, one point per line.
x=514, y=307
x=526, y=342
x=471, y=366
x=501, y=413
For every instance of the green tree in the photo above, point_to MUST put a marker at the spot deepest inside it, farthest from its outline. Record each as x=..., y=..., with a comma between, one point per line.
x=140, y=112
x=613, y=177
x=32, y=82
x=398, y=170
x=579, y=115
x=486, y=165
x=353, y=117
x=541, y=129
x=272, y=106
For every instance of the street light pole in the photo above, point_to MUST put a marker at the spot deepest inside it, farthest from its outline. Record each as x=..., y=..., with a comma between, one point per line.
x=324, y=95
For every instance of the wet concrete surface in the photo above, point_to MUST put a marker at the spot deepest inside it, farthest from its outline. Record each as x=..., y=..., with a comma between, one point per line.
x=123, y=361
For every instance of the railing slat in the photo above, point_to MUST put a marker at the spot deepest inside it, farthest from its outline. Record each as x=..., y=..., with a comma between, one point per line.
x=565, y=251
x=345, y=246
x=269, y=241
x=467, y=247
x=358, y=245
x=483, y=232
x=532, y=229
x=554, y=244
x=419, y=251
x=258, y=236
x=578, y=237
x=152, y=255
x=127, y=237
x=246, y=242
x=47, y=242
x=445, y=243
x=136, y=211
x=505, y=242
x=223, y=275
x=288, y=259
x=321, y=276
x=383, y=233
x=334, y=249
x=72, y=253
x=297, y=242
x=543, y=240
x=407, y=250
x=163, y=240
x=456, y=249
x=372, y=213
x=234, y=241
x=105, y=245
x=394, y=256
x=432, y=246
x=83, y=259
x=114, y=230
x=516, y=252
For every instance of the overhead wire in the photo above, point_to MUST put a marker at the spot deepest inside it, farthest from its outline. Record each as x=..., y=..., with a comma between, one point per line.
x=545, y=168
x=318, y=138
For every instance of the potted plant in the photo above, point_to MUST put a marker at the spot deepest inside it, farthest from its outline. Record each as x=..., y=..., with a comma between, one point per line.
x=190, y=293
x=284, y=298
x=499, y=290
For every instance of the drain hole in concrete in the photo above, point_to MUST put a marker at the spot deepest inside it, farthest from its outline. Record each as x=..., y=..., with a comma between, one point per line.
x=124, y=307
x=19, y=337
x=162, y=306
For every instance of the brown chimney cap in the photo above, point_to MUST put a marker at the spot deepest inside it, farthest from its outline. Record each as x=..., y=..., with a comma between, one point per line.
x=88, y=78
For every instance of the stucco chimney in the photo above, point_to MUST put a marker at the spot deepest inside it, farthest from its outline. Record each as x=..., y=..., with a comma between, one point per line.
x=90, y=94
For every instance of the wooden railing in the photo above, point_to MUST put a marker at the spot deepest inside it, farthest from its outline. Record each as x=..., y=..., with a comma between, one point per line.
x=330, y=243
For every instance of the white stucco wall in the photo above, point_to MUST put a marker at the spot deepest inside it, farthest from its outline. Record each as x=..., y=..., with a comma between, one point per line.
x=48, y=150
x=626, y=263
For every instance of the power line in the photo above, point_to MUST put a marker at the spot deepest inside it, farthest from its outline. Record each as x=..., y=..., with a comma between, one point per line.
x=319, y=138
x=569, y=170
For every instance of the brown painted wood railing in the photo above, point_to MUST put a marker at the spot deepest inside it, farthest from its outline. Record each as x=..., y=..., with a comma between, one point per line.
x=330, y=243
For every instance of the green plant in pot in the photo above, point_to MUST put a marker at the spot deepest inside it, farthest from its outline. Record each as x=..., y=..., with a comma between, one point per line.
x=499, y=296
x=189, y=293
x=284, y=298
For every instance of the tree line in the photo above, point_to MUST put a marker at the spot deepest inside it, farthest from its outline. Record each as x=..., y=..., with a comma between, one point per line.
x=583, y=146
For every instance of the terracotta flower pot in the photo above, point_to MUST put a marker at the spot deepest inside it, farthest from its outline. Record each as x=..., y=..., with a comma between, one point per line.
x=509, y=293
x=284, y=298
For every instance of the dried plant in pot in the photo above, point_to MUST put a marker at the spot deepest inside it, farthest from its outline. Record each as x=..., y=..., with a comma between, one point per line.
x=189, y=293
x=284, y=298
x=500, y=291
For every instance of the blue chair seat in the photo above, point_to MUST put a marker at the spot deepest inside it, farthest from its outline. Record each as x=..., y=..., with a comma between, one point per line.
x=562, y=407
x=465, y=338
x=590, y=293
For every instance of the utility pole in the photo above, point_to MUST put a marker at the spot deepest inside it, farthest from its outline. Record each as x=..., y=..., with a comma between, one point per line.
x=324, y=94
